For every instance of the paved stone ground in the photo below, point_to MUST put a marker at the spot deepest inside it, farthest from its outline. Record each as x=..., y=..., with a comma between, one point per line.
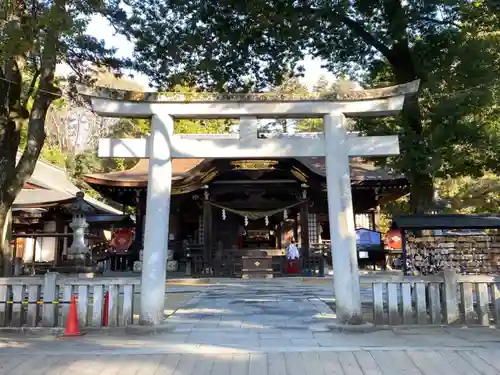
x=258, y=328
x=303, y=363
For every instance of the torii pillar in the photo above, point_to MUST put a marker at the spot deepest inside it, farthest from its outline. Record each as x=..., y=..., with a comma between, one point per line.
x=336, y=145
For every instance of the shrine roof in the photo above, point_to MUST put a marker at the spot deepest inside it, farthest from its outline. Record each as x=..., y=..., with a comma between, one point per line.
x=46, y=198
x=137, y=176
x=183, y=169
x=41, y=197
x=49, y=186
x=49, y=176
x=361, y=170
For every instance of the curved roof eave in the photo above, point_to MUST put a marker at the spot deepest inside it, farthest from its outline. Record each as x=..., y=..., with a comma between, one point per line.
x=362, y=171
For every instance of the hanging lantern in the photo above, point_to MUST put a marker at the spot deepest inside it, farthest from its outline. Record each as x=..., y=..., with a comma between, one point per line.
x=246, y=221
x=266, y=221
x=223, y=214
x=285, y=214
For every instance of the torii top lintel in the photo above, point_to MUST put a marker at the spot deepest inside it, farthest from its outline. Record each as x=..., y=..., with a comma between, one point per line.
x=385, y=101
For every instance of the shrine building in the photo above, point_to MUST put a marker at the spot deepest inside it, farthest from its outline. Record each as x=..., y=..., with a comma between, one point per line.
x=221, y=209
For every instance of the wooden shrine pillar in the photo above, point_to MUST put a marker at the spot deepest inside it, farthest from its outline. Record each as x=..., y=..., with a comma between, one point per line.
x=304, y=228
x=279, y=235
x=140, y=212
x=60, y=226
x=376, y=218
x=207, y=231
x=295, y=227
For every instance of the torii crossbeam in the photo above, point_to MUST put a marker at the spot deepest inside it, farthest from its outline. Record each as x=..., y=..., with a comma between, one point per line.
x=336, y=145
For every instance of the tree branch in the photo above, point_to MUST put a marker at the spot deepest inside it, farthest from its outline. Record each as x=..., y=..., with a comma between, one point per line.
x=400, y=57
x=46, y=94
x=14, y=82
x=3, y=89
x=32, y=87
x=439, y=22
x=370, y=39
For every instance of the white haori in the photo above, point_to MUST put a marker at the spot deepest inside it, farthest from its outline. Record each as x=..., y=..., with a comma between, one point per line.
x=292, y=252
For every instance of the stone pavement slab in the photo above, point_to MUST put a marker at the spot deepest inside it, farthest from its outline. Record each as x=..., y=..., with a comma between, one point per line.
x=397, y=362
x=235, y=341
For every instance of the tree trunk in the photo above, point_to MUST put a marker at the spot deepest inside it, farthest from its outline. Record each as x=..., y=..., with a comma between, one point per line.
x=5, y=237
x=415, y=156
x=9, y=141
x=13, y=113
x=415, y=149
x=414, y=144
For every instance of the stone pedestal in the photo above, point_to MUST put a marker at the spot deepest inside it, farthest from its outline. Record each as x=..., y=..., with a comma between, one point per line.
x=172, y=265
x=257, y=265
x=137, y=266
x=78, y=249
x=76, y=267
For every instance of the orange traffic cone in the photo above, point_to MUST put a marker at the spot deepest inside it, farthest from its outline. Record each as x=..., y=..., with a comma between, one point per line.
x=72, y=328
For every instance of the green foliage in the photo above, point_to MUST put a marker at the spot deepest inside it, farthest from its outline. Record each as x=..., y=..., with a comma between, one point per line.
x=58, y=152
x=54, y=156
x=451, y=46
x=202, y=126
x=35, y=36
x=471, y=195
x=198, y=126
x=458, y=101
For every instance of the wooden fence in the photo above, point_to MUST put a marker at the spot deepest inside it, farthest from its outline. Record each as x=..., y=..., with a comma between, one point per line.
x=451, y=299
x=44, y=301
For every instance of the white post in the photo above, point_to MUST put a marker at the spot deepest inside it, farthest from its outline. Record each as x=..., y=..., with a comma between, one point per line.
x=157, y=220
x=341, y=217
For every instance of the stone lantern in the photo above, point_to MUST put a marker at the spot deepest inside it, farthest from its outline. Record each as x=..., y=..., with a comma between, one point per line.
x=79, y=252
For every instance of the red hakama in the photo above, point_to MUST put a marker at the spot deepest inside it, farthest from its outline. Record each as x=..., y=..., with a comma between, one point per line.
x=292, y=266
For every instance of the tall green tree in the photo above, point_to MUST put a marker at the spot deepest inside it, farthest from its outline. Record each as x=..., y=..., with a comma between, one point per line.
x=60, y=149
x=231, y=45
x=35, y=36
x=471, y=195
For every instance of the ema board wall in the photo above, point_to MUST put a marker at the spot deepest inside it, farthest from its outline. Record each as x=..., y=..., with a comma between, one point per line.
x=478, y=254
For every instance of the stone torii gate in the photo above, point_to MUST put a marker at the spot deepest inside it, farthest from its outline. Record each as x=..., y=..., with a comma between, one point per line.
x=335, y=145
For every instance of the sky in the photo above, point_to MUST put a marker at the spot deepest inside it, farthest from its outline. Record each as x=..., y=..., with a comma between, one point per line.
x=101, y=29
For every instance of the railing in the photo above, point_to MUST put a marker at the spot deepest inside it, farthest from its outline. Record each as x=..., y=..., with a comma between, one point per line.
x=407, y=302
x=44, y=301
x=313, y=266
x=451, y=299
x=230, y=265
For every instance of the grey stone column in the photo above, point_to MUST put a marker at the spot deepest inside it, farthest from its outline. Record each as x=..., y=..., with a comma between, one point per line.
x=341, y=218
x=157, y=220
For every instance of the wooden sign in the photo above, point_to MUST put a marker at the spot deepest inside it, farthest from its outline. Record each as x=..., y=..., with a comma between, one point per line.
x=246, y=165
